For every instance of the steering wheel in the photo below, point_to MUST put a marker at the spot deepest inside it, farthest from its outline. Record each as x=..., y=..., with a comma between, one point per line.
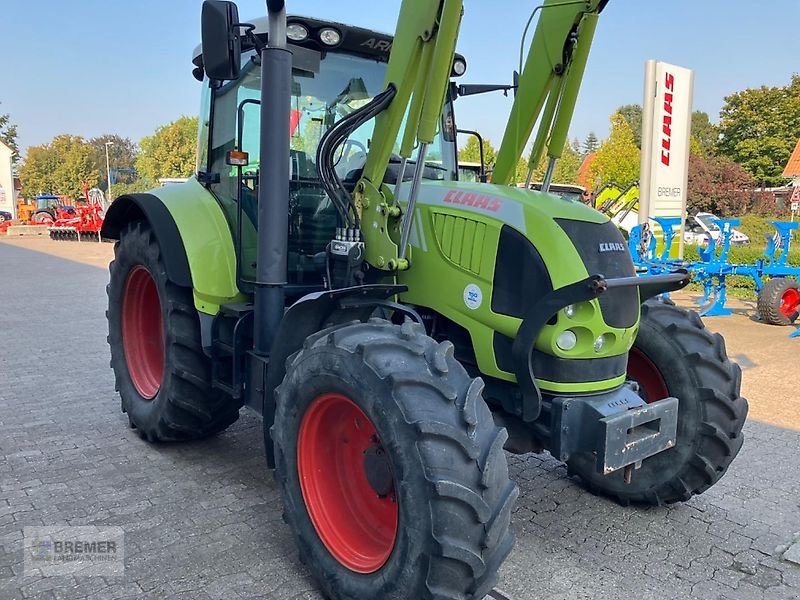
x=350, y=162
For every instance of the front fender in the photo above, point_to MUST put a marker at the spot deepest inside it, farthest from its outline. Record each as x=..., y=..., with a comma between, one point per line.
x=194, y=236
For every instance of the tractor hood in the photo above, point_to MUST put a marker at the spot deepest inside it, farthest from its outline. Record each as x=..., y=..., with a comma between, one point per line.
x=565, y=233
x=482, y=255
x=516, y=207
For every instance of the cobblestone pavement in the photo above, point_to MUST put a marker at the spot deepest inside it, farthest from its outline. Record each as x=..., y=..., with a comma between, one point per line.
x=203, y=520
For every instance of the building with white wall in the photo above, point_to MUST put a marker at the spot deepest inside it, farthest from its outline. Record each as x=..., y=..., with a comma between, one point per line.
x=7, y=195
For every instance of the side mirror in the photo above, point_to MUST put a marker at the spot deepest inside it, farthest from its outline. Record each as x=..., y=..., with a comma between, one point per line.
x=222, y=47
x=471, y=89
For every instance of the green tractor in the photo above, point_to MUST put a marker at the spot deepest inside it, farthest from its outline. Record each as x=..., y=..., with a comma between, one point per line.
x=400, y=330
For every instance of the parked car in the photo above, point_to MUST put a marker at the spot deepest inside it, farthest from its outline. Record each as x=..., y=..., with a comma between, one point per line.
x=5, y=216
x=702, y=227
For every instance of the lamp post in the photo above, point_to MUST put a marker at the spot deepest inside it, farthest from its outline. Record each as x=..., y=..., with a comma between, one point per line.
x=108, y=173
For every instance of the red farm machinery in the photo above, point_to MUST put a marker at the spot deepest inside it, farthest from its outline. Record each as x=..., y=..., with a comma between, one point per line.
x=84, y=221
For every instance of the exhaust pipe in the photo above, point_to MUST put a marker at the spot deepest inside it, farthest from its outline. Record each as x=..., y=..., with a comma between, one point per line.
x=273, y=183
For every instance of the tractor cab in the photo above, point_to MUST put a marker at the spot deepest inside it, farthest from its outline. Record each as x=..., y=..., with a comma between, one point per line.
x=48, y=202
x=336, y=69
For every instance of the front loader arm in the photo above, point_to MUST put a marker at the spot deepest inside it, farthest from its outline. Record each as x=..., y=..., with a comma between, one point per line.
x=551, y=80
x=419, y=70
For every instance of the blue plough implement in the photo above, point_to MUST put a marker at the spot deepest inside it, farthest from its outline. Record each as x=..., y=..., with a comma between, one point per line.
x=774, y=279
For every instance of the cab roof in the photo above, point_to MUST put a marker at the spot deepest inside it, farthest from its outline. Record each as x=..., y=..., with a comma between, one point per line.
x=355, y=40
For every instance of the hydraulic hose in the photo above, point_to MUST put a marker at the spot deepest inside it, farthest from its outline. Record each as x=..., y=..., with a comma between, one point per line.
x=331, y=141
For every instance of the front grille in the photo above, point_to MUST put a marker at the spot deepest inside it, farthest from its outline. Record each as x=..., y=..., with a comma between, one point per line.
x=604, y=252
x=460, y=240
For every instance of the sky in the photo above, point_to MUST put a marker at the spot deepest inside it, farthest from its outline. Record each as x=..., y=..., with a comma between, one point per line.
x=90, y=67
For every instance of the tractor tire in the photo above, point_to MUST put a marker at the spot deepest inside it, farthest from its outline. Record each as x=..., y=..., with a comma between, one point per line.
x=391, y=468
x=779, y=301
x=675, y=355
x=162, y=375
x=43, y=217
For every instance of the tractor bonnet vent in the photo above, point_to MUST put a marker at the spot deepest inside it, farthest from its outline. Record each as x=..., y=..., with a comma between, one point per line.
x=520, y=275
x=460, y=240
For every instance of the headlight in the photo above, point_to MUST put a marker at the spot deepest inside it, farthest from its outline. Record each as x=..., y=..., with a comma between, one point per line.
x=599, y=343
x=567, y=340
x=296, y=32
x=329, y=36
x=459, y=67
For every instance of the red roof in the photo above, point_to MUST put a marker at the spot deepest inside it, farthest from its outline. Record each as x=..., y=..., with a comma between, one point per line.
x=583, y=171
x=793, y=166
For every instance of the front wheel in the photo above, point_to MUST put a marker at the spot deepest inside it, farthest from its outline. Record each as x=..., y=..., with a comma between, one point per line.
x=675, y=355
x=391, y=468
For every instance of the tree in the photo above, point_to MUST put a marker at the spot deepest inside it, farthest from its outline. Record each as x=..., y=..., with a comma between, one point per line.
x=717, y=184
x=36, y=173
x=704, y=133
x=169, y=152
x=633, y=116
x=471, y=153
x=591, y=143
x=121, y=159
x=137, y=186
x=8, y=135
x=63, y=167
x=567, y=166
x=521, y=172
x=617, y=159
x=759, y=128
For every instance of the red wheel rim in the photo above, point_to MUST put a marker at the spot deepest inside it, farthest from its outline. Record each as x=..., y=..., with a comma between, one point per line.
x=790, y=302
x=43, y=219
x=142, y=332
x=356, y=524
x=643, y=371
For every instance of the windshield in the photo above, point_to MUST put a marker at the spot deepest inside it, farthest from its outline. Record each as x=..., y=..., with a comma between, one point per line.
x=469, y=172
x=325, y=88
x=707, y=219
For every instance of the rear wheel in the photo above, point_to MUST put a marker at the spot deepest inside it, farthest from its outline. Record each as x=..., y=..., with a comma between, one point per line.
x=42, y=217
x=675, y=355
x=391, y=468
x=162, y=375
x=779, y=301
